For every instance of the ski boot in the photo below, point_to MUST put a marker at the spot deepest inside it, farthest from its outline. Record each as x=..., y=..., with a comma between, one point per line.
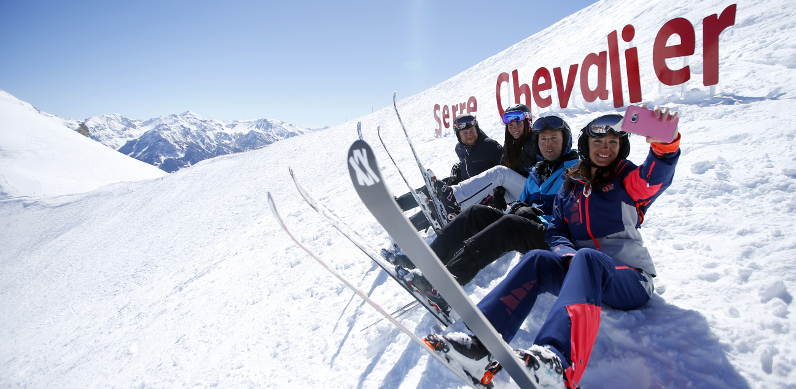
x=448, y=200
x=467, y=352
x=544, y=365
x=397, y=259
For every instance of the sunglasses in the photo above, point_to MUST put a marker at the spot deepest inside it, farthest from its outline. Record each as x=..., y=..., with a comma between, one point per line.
x=516, y=116
x=600, y=127
x=464, y=122
x=548, y=123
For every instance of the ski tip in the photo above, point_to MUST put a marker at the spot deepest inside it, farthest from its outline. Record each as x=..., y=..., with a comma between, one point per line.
x=271, y=204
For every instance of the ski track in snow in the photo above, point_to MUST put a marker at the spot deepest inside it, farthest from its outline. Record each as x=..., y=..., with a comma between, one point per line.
x=186, y=280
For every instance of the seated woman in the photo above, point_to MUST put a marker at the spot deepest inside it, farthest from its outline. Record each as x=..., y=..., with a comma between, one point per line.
x=519, y=156
x=597, y=257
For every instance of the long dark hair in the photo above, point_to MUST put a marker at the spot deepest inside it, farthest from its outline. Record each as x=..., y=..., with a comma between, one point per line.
x=512, y=148
x=582, y=171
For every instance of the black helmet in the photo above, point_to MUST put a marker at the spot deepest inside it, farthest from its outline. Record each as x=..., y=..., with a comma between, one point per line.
x=554, y=123
x=464, y=121
x=517, y=112
x=598, y=128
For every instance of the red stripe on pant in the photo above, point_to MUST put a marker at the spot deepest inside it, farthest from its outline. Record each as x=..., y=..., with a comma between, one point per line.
x=585, y=320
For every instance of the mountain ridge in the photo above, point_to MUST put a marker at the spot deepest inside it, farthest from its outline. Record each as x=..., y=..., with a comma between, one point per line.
x=176, y=141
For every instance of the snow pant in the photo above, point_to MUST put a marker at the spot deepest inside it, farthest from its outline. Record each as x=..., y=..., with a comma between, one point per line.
x=474, y=189
x=589, y=280
x=480, y=235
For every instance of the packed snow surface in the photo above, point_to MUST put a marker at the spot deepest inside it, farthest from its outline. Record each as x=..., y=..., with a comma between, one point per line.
x=188, y=280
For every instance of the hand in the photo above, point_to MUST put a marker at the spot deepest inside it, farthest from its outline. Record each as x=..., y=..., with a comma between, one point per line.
x=665, y=115
x=537, y=211
x=517, y=206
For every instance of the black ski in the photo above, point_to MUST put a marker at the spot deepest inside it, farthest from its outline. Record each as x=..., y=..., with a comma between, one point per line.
x=432, y=302
x=367, y=180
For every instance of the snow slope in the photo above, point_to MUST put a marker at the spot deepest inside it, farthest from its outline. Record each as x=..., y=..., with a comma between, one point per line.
x=40, y=156
x=188, y=281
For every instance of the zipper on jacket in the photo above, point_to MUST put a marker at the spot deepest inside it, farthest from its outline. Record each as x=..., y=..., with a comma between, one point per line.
x=588, y=223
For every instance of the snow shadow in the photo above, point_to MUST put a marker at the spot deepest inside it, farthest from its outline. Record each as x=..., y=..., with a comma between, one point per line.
x=382, y=276
x=437, y=376
x=659, y=346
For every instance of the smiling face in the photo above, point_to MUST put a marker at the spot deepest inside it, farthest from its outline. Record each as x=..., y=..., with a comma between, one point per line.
x=603, y=151
x=515, y=129
x=468, y=136
x=551, y=143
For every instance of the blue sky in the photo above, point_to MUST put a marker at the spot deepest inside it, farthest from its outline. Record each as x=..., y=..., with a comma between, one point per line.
x=311, y=63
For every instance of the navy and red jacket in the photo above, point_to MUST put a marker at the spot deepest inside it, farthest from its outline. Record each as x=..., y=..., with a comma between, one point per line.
x=607, y=217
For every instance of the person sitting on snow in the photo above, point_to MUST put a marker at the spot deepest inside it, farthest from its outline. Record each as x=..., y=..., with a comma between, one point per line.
x=477, y=153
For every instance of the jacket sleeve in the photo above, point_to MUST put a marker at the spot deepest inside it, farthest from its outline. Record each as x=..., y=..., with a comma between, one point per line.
x=557, y=235
x=655, y=175
x=525, y=191
x=497, y=154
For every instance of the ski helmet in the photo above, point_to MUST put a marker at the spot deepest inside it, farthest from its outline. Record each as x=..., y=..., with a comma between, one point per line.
x=599, y=128
x=517, y=112
x=464, y=121
x=554, y=123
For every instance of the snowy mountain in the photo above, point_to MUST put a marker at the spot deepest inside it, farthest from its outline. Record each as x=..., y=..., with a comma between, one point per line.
x=188, y=281
x=41, y=156
x=176, y=141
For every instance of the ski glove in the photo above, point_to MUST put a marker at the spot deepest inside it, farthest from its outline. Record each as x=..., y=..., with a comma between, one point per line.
x=524, y=210
x=456, y=174
x=499, y=199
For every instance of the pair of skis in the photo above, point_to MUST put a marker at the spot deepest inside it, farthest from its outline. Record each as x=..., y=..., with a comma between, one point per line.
x=433, y=303
x=428, y=177
x=362, y=294
x=367, y=180
x=432, y=208
x=370, y=186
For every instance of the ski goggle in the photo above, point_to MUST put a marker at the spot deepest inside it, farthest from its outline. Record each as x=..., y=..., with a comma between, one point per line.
x=600, y=127
x=516, y=116
x=464, y=122
x=548, y=123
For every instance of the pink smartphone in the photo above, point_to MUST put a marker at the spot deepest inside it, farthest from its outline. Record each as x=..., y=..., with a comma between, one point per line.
x=642, y=121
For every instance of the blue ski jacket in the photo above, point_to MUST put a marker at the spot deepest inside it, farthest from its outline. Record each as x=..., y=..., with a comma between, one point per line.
x=541, y=194
x=606, y=218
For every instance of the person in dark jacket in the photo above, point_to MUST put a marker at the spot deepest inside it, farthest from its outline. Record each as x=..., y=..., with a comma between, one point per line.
x=597, y=257
x=504, y=183
x=477, y=153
